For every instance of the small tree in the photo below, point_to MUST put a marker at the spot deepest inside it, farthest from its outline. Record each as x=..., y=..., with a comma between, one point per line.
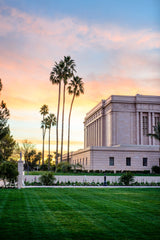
x=47, y=179
x=127, y=178
x=7, y=144
x=8, y=172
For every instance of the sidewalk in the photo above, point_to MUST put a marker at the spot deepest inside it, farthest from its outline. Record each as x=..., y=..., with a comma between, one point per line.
x=91, y=187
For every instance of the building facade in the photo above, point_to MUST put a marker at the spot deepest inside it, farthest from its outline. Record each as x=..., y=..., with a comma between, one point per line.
x=115, y=134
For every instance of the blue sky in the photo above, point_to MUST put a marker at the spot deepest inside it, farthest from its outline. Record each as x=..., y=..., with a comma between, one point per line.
x=137, y=13
x=115, y=44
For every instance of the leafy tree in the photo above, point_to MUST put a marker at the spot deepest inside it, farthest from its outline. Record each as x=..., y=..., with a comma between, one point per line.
x=156, y=133
x=44, y=112
x=75, y=88
x=26, y=148
x=4, y=116
x=64, y=167
x=8, y=172
x=38, y=157
x=7, y=144
x=50, y=121
x=6, y=140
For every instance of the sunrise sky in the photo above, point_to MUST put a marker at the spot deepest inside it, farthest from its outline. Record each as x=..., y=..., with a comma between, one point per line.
x=115, y=45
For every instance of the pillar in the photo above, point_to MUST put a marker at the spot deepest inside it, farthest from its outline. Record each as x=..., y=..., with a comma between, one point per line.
x=138, y=128
x=149, y=126
x=20, y=174
x=141, y=128
x=153, y=124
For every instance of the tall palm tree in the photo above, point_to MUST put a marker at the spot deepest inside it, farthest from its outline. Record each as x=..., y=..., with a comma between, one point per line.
x=44, y=112
x=0, y=84
x=75, y=88
x=68, y=69
x=56, y=78
x=50, y=121
x=156, y=133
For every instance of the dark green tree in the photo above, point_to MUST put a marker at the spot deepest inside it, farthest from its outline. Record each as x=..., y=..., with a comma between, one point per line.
x=7, y=144
x=8, y=172
x=4, y=116
x=6, y=140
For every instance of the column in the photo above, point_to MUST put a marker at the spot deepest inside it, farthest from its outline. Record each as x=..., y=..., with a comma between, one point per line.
x=141, y=128
x=153, y=124
x=138, y=128
x=149, y=126
x=101, y=130
x=96, y=131
x=20, y=175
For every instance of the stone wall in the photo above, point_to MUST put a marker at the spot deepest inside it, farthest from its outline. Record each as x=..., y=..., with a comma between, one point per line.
x=100, y=179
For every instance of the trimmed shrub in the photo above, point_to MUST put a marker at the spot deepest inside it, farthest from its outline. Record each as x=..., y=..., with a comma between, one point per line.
x=63, y=167
x=8, y=172
x=127, y=178
x=47, y=179
x=156, y=169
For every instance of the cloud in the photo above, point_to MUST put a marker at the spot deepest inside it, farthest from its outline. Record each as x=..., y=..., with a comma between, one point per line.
x=111, y=60
x=73, y=33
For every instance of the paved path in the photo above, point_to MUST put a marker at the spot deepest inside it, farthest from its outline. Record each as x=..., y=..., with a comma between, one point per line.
x=91, y=186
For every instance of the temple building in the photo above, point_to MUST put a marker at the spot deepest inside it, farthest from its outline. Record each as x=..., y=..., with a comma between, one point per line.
x=115, y=135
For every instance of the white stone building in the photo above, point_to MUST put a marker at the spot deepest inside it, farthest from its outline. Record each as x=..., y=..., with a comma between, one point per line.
x=115, y=135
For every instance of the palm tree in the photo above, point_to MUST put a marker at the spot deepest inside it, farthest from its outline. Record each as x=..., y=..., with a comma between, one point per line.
x=56, y=78
x=156, y=133
x=50, y=121
x=43, y=111
x=68, y=69
x=0, y=84
x=76, y=87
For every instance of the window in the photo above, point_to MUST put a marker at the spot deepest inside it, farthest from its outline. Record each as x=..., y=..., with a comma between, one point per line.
x=144, y=161
x=128, y=161
x=80, y=160
x=111, y=161
x=145, y=125
x=83, y=161
x=86, y=161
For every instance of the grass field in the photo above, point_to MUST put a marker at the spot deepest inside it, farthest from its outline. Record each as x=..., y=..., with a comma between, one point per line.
x=79, y=214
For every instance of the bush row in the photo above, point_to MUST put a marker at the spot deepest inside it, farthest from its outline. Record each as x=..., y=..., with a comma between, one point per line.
x=108, y=183
x=127, y=179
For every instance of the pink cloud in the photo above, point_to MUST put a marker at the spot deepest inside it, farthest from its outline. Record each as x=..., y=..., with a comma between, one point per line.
x=65, y=32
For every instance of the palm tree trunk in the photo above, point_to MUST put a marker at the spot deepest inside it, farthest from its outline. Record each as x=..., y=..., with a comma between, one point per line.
x=43, y=134
x=49, y=149
x=59, y=94
x=69, y=121
x=63, y=120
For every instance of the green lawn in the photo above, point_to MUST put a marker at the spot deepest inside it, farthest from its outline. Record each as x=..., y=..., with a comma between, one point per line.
x=54, y=213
